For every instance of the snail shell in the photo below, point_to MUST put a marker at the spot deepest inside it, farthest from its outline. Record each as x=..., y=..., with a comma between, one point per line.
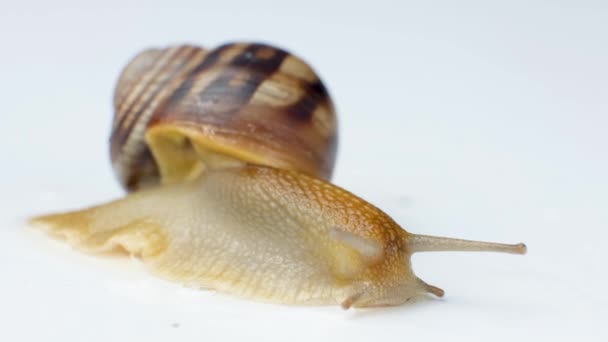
x=251, y=102
x=243, y=140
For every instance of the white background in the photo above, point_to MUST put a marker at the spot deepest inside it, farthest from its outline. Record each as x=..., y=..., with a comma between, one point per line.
x=476, y=120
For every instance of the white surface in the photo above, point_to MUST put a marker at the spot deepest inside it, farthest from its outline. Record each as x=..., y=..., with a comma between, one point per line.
x=472, y=120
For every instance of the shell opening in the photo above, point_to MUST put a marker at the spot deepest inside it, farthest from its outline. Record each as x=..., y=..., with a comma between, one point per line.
x=181, y=157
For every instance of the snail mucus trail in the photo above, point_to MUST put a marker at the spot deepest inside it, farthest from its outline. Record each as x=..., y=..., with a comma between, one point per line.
x=227, y=154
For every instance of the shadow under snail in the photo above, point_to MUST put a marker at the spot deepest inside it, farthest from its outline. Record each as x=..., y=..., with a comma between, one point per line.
x=227, y=154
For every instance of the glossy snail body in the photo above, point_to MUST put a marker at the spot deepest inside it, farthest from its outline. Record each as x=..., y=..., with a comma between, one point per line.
x=228, y=153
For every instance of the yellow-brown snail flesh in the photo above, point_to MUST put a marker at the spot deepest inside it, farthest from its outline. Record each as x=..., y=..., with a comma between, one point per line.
x=228, y=153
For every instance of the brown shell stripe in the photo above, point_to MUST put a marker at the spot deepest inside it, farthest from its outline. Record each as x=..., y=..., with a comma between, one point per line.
x=236, y=86
x=303, y=109
x=154, y=86
x=210, y=60
x=138, y=89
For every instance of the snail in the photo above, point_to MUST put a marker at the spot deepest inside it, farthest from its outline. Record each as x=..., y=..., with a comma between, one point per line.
x=227, y=155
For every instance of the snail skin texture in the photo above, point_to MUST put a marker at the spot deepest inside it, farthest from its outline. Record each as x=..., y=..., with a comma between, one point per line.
x=227, y=155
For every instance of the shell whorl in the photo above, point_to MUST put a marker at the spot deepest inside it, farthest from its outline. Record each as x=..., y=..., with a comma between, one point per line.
x=250, y=96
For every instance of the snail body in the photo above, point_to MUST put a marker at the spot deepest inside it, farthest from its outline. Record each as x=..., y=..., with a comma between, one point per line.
x=227, y=154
